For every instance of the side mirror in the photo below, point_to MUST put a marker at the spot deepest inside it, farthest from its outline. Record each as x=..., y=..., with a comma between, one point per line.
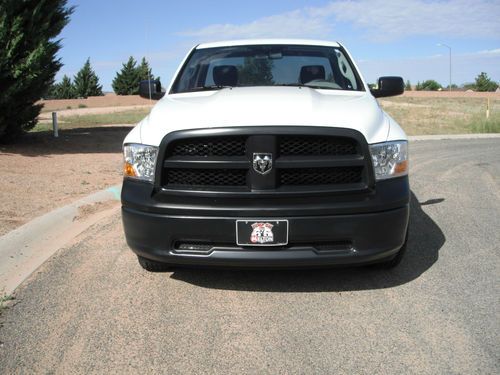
x=150, y=87
x=388, y=86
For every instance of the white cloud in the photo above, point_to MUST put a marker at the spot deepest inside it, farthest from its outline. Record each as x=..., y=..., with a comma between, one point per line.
x=395, y=19
x=380, y=20
x=297, y=23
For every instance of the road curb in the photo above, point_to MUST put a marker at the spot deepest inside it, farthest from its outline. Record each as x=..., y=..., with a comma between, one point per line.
x=24, y=249
x=440, y=137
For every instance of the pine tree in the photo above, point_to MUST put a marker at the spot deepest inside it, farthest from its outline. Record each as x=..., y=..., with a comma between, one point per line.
x=144, y=71
x=86, y=82
x=64, y=89
x=126, y=81
x=408, y=85
x=28, y=61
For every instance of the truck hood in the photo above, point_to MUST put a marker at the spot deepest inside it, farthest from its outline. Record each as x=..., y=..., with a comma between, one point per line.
x=261, y=106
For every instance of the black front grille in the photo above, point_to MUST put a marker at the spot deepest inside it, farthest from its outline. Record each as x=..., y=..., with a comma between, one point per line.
x=209, y=146
x=300, y=162
x=321, y=176
x=318, y=146
x=206, y=177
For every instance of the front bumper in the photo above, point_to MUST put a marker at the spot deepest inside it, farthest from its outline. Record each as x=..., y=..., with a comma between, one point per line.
x=348, y=236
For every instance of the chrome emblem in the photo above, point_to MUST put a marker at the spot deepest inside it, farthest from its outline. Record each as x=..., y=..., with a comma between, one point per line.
x=262, y=162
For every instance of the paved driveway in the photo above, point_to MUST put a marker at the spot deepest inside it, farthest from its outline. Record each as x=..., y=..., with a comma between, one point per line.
x=92, y=309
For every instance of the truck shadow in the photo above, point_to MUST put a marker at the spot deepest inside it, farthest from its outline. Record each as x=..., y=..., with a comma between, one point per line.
x=425, y=240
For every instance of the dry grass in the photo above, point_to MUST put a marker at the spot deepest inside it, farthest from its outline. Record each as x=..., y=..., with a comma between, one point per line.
x=92, y=120
x=444, y=115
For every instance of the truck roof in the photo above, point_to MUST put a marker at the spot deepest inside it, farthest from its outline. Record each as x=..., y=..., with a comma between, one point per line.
x=248, y=42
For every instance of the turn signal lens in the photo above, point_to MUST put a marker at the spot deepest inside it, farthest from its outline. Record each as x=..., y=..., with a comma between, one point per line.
x=390, y=159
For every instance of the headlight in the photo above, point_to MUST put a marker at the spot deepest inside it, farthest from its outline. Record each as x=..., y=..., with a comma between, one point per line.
x=390, y=159
x=140, y=161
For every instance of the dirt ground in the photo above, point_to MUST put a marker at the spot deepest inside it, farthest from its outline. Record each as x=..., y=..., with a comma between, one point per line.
x=108, y=100
x=41, y=173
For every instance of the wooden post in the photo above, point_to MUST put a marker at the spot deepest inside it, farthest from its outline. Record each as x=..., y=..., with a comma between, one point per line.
x=488, y=108
x=55, y=127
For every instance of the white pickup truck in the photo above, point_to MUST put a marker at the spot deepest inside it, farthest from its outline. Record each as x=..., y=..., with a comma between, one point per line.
x=267, y=153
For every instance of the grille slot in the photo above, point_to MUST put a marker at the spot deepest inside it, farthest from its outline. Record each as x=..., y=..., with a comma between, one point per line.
x=317, y=146
x=210, y=146
x=205, y=177
x=321, y=176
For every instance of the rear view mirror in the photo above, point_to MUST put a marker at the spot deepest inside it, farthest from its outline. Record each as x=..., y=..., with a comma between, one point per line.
x=388, y=86
x=150, y=89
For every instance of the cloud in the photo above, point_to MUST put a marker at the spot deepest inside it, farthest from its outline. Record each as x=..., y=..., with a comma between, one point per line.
x=395, y=19
x=297, y=23
x=379, y=20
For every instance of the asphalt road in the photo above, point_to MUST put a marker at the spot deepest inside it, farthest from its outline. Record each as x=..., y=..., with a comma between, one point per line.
x=92, y=309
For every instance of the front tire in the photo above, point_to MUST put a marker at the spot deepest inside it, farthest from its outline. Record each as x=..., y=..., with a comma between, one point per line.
x=153, y=266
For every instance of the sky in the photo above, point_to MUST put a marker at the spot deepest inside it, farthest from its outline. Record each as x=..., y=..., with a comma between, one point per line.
x=391, y=37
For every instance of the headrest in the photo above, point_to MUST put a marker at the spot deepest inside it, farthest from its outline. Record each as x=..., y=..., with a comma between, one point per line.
x=225, y=75
x=309, y=73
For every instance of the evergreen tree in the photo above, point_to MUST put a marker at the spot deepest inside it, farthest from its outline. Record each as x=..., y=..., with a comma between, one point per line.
x=144, y=71
x=484, y=83
x=64, y=89
x=86, y=82
x=28, y=60
x=408, y=85
x=126, y=81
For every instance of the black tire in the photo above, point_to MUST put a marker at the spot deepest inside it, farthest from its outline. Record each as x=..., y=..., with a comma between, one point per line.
x=153, y=266
x=395, y=260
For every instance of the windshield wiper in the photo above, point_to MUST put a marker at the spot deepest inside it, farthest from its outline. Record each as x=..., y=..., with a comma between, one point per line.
x=211, y=87
x=305, y=85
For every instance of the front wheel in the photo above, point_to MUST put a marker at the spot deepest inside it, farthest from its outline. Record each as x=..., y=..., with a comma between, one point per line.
x=153, y=266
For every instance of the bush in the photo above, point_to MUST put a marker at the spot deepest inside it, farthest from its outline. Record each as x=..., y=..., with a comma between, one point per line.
x=429, y=85
x=28, y=60
x=484, y=83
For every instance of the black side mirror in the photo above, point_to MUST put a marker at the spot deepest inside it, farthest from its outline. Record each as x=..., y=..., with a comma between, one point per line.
x=150, y=88
x=388, y=86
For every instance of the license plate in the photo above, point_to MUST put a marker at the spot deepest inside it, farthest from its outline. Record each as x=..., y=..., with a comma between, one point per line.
x=261, y=232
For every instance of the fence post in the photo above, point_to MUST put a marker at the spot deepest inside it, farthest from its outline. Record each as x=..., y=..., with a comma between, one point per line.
x=488, y=108
x=55, y=127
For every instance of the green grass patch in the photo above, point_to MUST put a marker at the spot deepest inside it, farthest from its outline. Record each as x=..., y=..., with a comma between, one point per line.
x=82, y=121
x=4, y=299
x=443, y=115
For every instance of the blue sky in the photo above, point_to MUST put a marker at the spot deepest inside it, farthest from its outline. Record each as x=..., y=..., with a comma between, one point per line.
x=392, y=37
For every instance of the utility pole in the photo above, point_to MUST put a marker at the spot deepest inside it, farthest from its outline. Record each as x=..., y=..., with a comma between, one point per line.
x=449, y=49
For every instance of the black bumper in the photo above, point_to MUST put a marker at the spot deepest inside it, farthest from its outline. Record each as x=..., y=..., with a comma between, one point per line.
x=366, y=230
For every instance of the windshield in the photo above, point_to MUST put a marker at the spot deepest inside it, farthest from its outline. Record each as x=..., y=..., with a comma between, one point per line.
x=267, y=65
